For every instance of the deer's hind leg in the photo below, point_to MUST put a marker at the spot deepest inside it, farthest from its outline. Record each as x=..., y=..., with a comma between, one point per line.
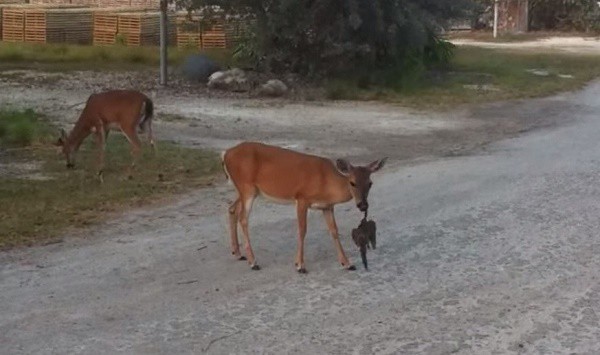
x=136, y=147
x=233, y=215
x=247, y=195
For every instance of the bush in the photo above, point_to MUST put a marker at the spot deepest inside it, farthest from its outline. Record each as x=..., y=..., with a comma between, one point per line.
x=19, y=128
x=579, y=15
x=325, y=37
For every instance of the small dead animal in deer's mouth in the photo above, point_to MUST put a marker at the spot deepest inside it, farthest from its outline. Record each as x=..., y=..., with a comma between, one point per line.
x=364, y=236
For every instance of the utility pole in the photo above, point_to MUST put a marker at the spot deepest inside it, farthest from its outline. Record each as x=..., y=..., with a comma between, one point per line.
x=163, y=42
x=495, y=18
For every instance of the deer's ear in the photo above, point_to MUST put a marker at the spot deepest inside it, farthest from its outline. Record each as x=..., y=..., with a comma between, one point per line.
x=343, y=166
x=377, y=164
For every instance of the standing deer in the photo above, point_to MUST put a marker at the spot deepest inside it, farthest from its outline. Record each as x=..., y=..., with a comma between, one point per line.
x=309, y=181
x=124, y=110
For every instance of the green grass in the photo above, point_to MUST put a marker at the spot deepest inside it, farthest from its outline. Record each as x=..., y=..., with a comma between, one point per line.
x=34, y=211
x=502, y=70
x=20, y=128
x=64, y=57
x=487, y=36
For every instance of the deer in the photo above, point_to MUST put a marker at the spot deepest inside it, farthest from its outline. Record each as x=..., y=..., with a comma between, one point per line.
x=283, y=175
x=124, y=110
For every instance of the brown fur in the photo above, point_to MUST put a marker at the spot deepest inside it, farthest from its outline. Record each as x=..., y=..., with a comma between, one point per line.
x=309, y=181
x=125, y=110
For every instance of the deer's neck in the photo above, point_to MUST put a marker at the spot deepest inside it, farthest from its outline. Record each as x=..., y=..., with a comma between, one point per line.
x=342, y=188
x=77, y=135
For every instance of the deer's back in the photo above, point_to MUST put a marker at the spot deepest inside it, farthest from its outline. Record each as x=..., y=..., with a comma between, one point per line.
x=115, y=106
x=281, y=173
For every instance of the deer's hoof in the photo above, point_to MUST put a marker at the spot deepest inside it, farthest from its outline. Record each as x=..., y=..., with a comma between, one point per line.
x=351, y=268
x=242, y=258
x=254, y=267
x=302, y=270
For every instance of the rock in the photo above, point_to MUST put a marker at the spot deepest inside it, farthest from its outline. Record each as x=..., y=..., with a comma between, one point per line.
x=234, y=80
x=538, y=72
x=197, y=67
x=274, y=88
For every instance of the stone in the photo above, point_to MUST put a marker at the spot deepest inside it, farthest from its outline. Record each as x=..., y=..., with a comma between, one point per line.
x=273, y=88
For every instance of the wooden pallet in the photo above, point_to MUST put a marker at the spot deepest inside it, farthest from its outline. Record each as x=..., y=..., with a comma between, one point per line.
x=13, y=25
x=214, y=39
x=188, y=40
x=105, y=28
x=140, y=29
x=58, y=26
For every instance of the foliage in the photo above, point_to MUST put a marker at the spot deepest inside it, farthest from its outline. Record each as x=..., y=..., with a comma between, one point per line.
x=19, y=128
x=580, y=15
x=331, y=36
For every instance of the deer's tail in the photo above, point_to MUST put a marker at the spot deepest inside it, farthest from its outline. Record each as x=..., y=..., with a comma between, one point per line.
x=224, y=166
x=147, y=113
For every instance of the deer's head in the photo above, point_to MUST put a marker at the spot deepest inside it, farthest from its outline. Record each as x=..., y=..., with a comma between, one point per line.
x=67, y=149
x=359, y=180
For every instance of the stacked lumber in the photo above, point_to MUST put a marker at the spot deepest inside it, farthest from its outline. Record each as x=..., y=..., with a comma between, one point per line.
x=58, y=26
x=13, y=24
x=129, y=28
x=207, y=34
x=13, y=19
x=139, y=29
x=188, y=31
x=148, y=4
x=99, y=3
x=106, y=26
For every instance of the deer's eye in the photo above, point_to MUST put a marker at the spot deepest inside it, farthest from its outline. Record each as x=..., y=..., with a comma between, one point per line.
x=370, y=184
x=352, y=184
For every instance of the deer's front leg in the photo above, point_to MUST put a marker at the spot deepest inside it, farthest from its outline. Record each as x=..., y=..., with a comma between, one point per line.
x=302, y=211
x=100, y=145
x=333, y=230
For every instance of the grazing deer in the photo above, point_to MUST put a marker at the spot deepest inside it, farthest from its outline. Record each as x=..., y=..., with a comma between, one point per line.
x=284, y=175
x=124, y=110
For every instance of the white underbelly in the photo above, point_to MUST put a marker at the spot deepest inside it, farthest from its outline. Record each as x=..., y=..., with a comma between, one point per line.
x=316, y=205
x=277, y=200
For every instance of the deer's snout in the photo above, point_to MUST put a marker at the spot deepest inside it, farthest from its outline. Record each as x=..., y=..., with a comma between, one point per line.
x=363, y=206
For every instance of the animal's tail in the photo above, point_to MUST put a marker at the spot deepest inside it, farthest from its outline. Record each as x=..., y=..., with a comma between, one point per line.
x=147, y=113
x=363, y=256
x=225, y=166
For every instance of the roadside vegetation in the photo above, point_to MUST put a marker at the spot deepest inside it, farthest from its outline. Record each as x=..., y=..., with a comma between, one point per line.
x=488, y=36
x=475, y=75
x=40, y=198
x=63, y=57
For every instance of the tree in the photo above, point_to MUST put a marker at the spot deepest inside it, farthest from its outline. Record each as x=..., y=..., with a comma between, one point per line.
x=580, y=15
x=326, y=36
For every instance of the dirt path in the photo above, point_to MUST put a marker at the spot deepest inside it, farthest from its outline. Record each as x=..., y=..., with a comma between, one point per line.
x=491, y=253
x=191, y=116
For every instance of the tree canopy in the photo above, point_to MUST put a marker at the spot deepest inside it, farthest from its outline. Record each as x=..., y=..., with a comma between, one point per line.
x=325, y=36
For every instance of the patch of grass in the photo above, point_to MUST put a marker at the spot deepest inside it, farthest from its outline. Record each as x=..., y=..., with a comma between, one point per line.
x=487, y=36
x=20, y=128
x=63, y=57
x=34, y=211
x=478, y=75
